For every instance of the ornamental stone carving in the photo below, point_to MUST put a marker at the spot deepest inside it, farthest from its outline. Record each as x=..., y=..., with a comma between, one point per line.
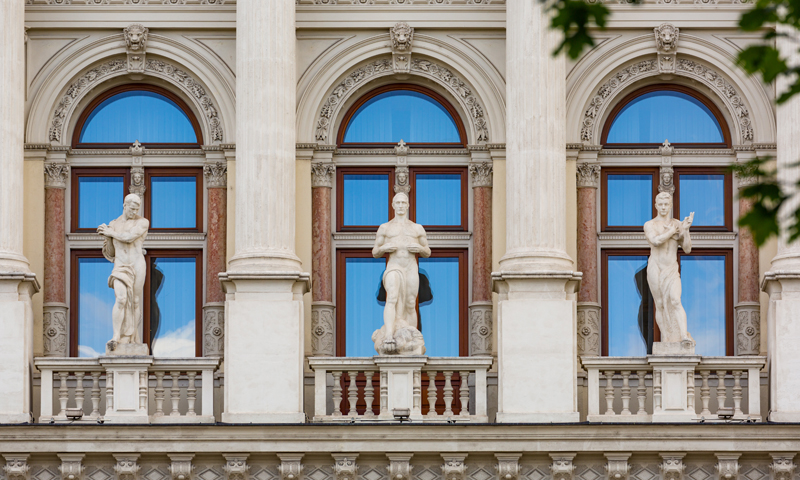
x=617, y=466
x=727, y=467
x=345, y=467
x=236, y=467
x=507, y=466
x=746, y=178
x=401, y=150
x=401, y=182
x=216, y=174
x=135, y=36
x=55, y=331
x=782, y=466
x=56, y=175
x=454, y=467
x=672, y=467
x=322, y=174
x=213, y=330
x=399, y=466
x=588, y=329
x=322, y=330
x=588, y=175
x=481, y=174
x=562, y=467
x=480, y=329
x=181, y=467
x=748, y=329
x=127, y=467
x=137, y=182
x=401, y=35
x=667, y=46
x=290, y=467
x=666, y=182
x=71, y=467
x=16, y=467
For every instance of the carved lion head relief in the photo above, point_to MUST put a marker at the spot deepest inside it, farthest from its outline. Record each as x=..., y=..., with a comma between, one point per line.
x=135, y=36
x=666, y=37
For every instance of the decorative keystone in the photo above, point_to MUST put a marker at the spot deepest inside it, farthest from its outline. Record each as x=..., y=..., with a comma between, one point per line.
x=127, y=467
x=181, y=467
x=236, y=466
x=399, y=466
x=562, y=467
x=507, y=466
x=290, y=467
x=344, y=466
x=617, y=466
x=454, y=467
x=71, y=467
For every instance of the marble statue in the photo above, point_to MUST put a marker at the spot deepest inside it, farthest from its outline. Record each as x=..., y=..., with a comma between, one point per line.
x=401, y=239
x=122, y=245
x=664, y=233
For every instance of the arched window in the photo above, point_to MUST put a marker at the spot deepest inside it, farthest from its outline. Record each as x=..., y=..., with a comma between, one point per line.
x=151, y=115
x=416, y=115
x=648, y=117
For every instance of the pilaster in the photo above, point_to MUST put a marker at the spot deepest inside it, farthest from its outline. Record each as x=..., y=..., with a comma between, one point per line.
x=481, y=326
x=216, y=177
x=323, y=310
x=588, y=310
x=55, y=321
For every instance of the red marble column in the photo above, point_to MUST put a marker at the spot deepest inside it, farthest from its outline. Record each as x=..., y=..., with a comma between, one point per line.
x=588, y=177
x=480, y=309
x=56, y=331
x=322, y=307
x=748, y=309
x=214, y=310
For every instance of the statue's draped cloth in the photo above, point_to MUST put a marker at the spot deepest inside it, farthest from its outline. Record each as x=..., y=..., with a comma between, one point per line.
x=126, y=275
x=666, y=280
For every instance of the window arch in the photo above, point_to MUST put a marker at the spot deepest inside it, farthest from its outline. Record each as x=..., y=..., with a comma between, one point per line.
x=651, y=115
x=152, y=115
x=417, y=115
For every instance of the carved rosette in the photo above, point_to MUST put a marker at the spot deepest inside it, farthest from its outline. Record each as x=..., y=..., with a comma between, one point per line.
x=181, y=467
x=782, y=466
x=588, y=175
x=481, y=174
x=401, y=180
x=56, y=175
x=748, y=328
x=216, y=174
x=213, y=330
x=16, y=467
x=617, y=466
x=402, y=36
x=322, y=175
x=454, y=467
x=588, y=329
x=480, y=329
x=322, y=329
x=507, y=466
x=236, y=467
x=672, y=467
x=127, y=467
x=399, y=466
x=135, y=36
x=727, y=467
x=71, y=467
x=55, y=330
x=290, y=467
x=345, y=467
x=666, y=45
x=562, y=467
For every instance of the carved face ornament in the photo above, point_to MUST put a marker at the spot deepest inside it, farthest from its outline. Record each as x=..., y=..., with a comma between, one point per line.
x=135, y=36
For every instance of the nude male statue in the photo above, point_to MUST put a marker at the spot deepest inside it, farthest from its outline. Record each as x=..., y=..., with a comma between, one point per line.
x=401, y=239
x=664, y=234
x=122, y=245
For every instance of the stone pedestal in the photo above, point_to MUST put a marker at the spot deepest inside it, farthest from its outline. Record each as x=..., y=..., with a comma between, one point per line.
x=126, y=389
x=16, y=346
x=402, y=377
x=673, y=384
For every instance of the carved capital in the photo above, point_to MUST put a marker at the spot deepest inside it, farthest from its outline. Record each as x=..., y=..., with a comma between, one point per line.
x=782, y=466
x=481, y=174
x=56, y=175
x=588, y=175
x=322, y=329
x=480, y=329
x=399, y=466
x=213, y=330
x=322, y=174
x=17, y=467
x=401, y=180
x=454, y=467
x=402, y=36
x=748, y=328
x=127, y=467
x=216, y=174
x=672, y=466
x=138, y=185
x=236, y=467
x=562, y=467
x=71, y=467
x=344, y=466
x=135, y=36
x=666, y=182
x=181, y=467
x=507, y=466
x=55, y=330
x=290, y=467
x=588, y=329
x=617, y=466
x=667, y=46
x=727, y=466
x=746, y=178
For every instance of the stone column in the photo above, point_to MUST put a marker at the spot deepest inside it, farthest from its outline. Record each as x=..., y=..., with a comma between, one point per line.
x=588, y=298
x=56, y=326
x=480, y=310
x=748, y=308
x=17, y=283
x=323, y=332
x=216, y=175
x=264, y=284
x=536, y=310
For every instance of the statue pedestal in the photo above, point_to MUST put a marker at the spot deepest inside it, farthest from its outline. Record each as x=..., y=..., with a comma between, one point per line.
x=126, y=388
x=402, y=376
x=673, y=385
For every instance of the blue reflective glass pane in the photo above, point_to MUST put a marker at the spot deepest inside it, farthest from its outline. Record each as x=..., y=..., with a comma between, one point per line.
x=627, y=306
x=665, y=115
x=363, y=312
x=174, y=202
x=402, y=115
x=705, y=196
x=438, y=199
x=703, y=298
x=99, y=200
x=439, y=317
x=630, y=200
x=366, y=199
x=138, y=115
x=173, y=306
x=95, y=302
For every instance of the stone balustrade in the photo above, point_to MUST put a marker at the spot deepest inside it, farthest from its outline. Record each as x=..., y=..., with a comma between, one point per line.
x=379, y=389
x=625, y=389
x=174, y=390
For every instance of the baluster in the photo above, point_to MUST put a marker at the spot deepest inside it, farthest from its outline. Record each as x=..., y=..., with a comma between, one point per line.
x=705, y=393
x=63, y=392
x=109, y=392
x=144, y=387
x=159, y=394
x=656, y=391
x=609, y=392
x=690, y=391
x=384, y=393
x=352, y=393
x=337, y=394
x=448, y=393
x=416, y=393
x=432, y=393
x=626, y=393
x=80, y=393
x=641, y=392
x=175, y=394
x=463, y=393
x=96, y=394
x=722, y=393
x=191, y=394
x=737, y=393
x=369, y=395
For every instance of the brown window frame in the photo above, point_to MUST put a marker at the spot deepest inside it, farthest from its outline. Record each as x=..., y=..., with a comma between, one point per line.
x=726, y=133
x=729, y=307
x=74, y=312
x=462, y=133
x=340, y=173
x=76, y=174
x=728, y=192
x=462, y=171
x=76, y=134
x=604, y=173
x=150, y=172
x=341, y=294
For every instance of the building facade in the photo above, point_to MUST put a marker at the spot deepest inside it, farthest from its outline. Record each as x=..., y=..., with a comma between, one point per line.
x=267, y=139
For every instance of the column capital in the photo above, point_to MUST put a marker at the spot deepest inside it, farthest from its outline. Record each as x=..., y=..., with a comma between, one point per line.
x=322, y=174
x=56, y=175
x=481, y=174
x=588, y=175
x=745, y=178
x=216, y=174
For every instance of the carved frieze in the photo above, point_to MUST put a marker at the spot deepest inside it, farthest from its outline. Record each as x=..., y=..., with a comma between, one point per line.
x=667, y=46
x=672, y=467
x=55, y=326
x=782, y=466
x=216, y=174
x=71, y=467
x=236, y=467
x=345, y=467
x=16, y=467
x=322, y=174
x=135, y=36
x=481, y=174
x=127, y=467
x=588, y=329
x=56, y=175
x=322, y=330
x=213, y=330
x=588, y=175
x=401, y=36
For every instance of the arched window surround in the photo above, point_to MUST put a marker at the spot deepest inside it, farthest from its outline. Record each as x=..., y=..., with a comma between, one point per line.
x=726, y=133
x=87, y=111
x=348, y=116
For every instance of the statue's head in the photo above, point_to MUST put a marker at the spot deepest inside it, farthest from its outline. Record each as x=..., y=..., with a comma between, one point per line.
x=130, y=206
x=664, y=204
x=400, y=204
